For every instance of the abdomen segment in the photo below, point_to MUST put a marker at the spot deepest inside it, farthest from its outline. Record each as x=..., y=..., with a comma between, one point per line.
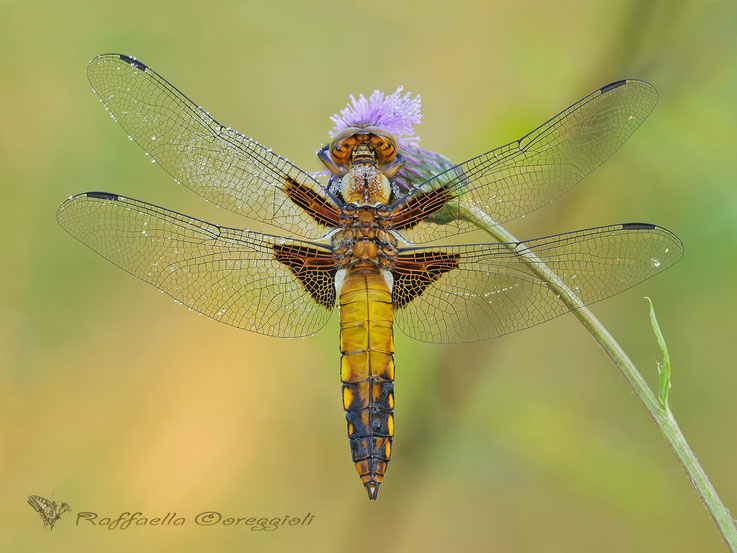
x=367, y=371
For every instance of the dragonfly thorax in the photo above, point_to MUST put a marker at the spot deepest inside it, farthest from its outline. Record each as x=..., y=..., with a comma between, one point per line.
x=363, y=239
x=365, y=185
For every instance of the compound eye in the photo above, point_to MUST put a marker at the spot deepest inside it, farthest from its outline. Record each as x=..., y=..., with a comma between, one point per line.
x=341, y=150
x=384, y=147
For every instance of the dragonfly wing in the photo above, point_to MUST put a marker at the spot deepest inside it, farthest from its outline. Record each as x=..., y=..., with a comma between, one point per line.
x=474, y=292
x=531, y=172
x=218, y=163
x=266, y=284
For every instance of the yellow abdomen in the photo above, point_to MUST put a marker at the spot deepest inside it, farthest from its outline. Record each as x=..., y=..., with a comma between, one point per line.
x=367, y=370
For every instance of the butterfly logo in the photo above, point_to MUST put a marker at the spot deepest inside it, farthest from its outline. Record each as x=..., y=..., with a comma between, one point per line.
x=49, y=511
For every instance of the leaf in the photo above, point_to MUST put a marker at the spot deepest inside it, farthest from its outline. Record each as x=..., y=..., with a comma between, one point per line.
x=664, y=367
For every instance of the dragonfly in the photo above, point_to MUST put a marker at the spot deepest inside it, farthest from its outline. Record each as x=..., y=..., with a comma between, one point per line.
x=363, y=237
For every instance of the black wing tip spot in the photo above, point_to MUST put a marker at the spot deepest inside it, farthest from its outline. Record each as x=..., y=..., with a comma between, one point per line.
x=102, y=195
x=134, y=62
x=612, y=86
x=638, y=226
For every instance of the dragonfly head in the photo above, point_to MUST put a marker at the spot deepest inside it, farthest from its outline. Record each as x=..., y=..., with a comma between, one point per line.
x=365, y=159
x=362, y=145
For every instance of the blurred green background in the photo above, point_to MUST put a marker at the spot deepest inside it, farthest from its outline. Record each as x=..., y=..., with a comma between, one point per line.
x=115, y=399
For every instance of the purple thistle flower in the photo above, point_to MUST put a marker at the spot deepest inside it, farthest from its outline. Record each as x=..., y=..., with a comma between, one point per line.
x=395, y=113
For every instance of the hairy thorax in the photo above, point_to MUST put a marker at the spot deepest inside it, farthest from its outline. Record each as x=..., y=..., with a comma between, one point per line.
x=363, y=239
x=362, y=161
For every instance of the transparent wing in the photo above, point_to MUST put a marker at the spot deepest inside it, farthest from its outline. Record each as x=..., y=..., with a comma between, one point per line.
x=531, y=172
x=216, y=162
x=492, y=292
x=227, y=274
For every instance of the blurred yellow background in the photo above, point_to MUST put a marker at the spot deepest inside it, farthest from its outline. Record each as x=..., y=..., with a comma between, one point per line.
x=115, y=399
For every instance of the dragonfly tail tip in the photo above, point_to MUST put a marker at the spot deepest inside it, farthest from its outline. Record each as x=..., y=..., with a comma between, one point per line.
x=373, y=489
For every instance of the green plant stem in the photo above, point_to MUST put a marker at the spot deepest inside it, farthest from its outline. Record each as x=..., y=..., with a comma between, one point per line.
x=664, y=419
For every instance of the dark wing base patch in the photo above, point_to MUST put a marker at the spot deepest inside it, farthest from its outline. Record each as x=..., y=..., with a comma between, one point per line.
x=313, y=268
x=414, y=272
x=416, y=208
x=313, y=203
